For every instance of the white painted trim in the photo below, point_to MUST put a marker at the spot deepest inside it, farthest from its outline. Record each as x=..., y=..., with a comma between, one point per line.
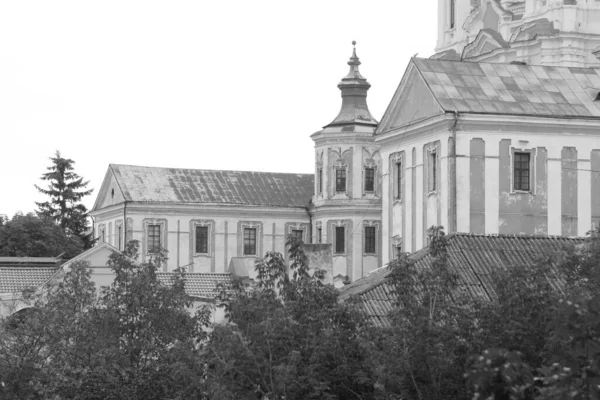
x=584, y=197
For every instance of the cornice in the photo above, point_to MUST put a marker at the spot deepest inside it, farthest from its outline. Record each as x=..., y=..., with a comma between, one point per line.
x=528, y=124
x=216, y=210
x=431, y=125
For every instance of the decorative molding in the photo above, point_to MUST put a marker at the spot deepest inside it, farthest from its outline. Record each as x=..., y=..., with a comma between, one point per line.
x=210, y=224
x=258, y=225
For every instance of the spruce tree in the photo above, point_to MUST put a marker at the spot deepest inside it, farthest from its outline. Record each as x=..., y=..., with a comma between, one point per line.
x=66, y=189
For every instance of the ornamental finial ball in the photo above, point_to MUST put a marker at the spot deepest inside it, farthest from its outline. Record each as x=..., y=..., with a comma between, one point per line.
x=354, y=43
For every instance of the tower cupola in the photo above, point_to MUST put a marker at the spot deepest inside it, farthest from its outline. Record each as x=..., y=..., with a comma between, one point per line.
x=354, y=89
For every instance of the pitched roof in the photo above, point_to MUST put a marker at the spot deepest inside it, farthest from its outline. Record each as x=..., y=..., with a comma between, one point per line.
x=203, y=285
x=14, y=279
x=472, y=257
x=469, y=87
x=177, y=185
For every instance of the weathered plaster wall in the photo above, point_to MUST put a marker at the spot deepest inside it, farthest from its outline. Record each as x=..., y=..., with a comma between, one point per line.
x=225, y=232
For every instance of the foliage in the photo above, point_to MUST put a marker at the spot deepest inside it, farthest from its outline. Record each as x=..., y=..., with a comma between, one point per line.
x=423, y=354
x=66, y=189
x=136, y=340
x=288, y=338
x=31, y=236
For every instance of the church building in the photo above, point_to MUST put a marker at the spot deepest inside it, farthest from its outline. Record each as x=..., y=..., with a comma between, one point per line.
x=496, y=133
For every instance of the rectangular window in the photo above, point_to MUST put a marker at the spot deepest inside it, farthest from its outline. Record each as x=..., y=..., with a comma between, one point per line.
x=340, y=179
x=522, y=172
x=202, y=239
x=298, y=234
x=319, y=235
x=153, y=238
x=370, y=239
x=398, y=249
x=102, y=236
x=369, y=179
x=249, y=241
x=398, y=188
x=320, y=181
x=452, y=13
x=339, y=240
x=119, y=236
x=432, y=169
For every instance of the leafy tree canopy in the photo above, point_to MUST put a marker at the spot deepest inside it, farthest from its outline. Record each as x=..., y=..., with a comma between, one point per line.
x=31, y=236
x=66, y=189
x=135, y=340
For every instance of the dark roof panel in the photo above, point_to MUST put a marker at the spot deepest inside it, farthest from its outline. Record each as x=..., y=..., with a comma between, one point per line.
x=15, y=279
x=512, y=89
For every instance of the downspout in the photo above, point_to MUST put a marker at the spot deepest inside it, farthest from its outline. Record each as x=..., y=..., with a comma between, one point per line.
x=452, y=220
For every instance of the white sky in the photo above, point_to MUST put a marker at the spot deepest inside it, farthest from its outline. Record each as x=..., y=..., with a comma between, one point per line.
x=236, y=85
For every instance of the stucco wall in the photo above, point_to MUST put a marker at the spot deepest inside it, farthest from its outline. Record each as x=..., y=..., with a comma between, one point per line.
x=225, y=232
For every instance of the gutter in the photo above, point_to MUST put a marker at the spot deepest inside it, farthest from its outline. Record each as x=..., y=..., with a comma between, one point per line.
x=452, y=222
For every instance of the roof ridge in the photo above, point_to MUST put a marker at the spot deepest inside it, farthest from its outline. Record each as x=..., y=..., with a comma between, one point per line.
x=493, y=63
x=211, y=170
x=514, y=235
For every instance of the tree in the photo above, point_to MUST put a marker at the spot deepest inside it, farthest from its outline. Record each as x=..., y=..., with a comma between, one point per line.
x=31, y=236
x=66, y=189
x=288, y=338
x=136, y=340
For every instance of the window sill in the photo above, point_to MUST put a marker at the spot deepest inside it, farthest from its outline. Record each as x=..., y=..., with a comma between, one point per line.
x=529, y=192
x=201, y=254
x=398, y=201
x=369, y=254
x=432, y=193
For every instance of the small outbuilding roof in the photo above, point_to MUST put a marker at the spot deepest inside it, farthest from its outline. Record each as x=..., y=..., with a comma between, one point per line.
x=185, y=186
x=472, y=257
x=15, y=279
x=469, y=87
x=203, y=285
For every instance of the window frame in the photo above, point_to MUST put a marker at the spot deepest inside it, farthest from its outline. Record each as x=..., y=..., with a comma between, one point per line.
x=320, y=180
x=206, y=237
x=337, y=230
x=249, y=239
x=152, y=235
x=370, y=179
x=342, y=171
x=515, y=171
x=432, y=173
x=370, y=240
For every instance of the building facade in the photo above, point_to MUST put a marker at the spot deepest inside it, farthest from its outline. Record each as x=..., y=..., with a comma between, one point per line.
x=497, y=133
x=538, y=32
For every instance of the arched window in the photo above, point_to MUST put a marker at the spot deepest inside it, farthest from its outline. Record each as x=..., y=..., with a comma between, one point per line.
x=452, y=13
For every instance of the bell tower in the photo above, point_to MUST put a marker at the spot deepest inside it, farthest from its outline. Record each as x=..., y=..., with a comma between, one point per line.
x=347, y=199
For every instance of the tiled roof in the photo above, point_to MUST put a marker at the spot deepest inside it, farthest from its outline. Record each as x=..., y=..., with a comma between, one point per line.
x=198, y=284
x=176, y=185
x=15, y=279
x=471, y=257
x=469, y=87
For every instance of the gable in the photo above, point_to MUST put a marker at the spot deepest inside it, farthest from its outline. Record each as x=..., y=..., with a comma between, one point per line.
x=110, y=193
x=487, y=40
x=413, y=101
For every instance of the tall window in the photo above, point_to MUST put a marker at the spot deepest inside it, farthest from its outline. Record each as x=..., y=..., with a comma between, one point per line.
x=339, y=240
x=249, y=241
x=521, y=171
x=398, y=183
x=202, y=239
x=319, y=180
x=153, y=238
x=370, y=239
x=432, y=167
x=119, y=236
x=452, y=13
x=102, y=235
x=319, y=235
x=298, y=234
x=369, y=179
x=340, y=179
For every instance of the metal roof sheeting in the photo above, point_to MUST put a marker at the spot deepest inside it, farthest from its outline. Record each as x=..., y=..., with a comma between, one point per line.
x=176, y=185
x=472, y=257
x=469, y=87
